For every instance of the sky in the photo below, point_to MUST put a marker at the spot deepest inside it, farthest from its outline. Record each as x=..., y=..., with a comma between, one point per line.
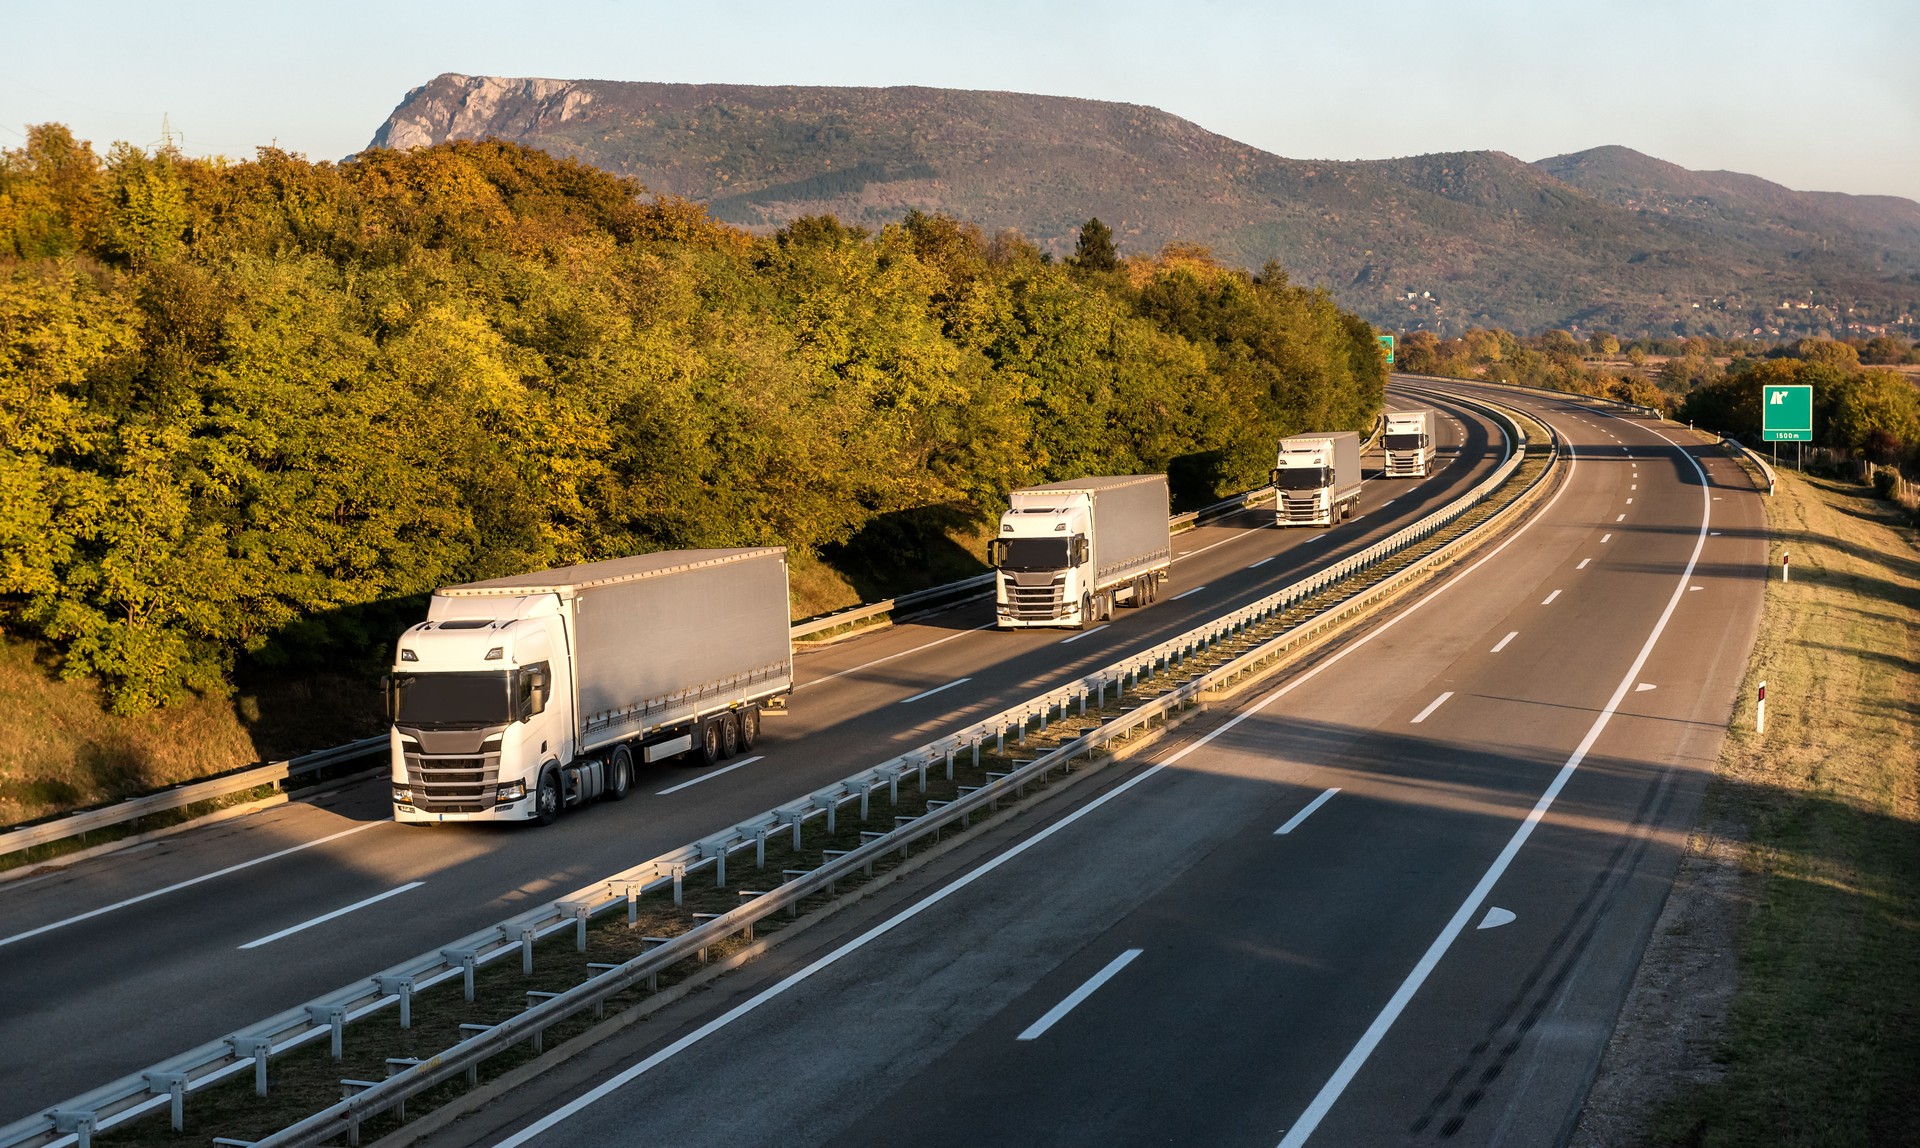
x=1815, y=96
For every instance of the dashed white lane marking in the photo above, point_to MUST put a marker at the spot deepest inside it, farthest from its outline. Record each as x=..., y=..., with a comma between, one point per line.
x=1548, y=600
x=1643, y=687
x=1431, y=706
x=935, y=690
x=1691, y=589
x=1620, y=518
x=1629, y=502
x=1606, y=537
x=1502, y=643
x=323, y=918
x=1188, y=594
x=1039, y=1027
x=48, y=928
x=891, y=657
x=711, y=774
x=1085, y=633
x=1263, y=561
x=1583, y=564
x=1293, y=822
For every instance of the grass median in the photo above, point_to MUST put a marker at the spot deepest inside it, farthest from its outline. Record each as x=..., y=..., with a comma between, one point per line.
x=1821, y=1041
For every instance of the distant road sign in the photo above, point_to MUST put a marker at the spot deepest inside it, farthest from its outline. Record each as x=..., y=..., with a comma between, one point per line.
x=1786, y=413
x=1386, y=344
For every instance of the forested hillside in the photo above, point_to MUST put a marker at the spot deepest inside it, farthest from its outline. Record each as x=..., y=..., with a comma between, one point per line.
x=1602, y=240
x=248, y=410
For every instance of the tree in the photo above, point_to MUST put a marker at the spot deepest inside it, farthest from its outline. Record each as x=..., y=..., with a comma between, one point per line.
x=1094, y=251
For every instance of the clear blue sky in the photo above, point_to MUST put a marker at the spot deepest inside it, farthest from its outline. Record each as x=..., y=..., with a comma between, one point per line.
x=1816, y=96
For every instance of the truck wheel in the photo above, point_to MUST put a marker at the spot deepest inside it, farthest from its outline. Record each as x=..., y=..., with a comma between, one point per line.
x=729, y=735
x=711, y=742
x=546, y=797
x=619, y=774
x=749, y=726
x=1086, y=610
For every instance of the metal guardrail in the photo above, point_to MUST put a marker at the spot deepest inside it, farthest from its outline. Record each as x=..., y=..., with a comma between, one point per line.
x=326, y=1017
x=1767, y=471
x=1598, y=399
x=133, y=808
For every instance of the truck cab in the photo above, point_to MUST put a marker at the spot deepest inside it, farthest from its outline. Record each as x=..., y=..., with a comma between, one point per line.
x=1043, y=564
x=1303, y=482
x=480, y=703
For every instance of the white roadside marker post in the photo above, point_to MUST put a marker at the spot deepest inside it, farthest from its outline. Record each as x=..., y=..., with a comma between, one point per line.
x=1785, y=565
x=1760, y=711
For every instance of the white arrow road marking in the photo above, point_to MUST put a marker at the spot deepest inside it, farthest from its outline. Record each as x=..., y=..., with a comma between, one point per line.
x=1496, y=917
x=1643, y=687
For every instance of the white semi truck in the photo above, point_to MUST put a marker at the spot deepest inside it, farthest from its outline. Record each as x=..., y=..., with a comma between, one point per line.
x=1408, y=441
x=521, y=696
x=1068, y=552
x=1316, y=479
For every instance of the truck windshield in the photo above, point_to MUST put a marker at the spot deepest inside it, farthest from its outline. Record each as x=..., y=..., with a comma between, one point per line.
x=1303, y=478
x=1033, y=553
x=1405, y=441
x=452, y=701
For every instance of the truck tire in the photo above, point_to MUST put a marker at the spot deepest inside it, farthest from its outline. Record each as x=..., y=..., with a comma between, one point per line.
x=729, y=735
x=1086, y=610
x=749, y=726
x=709, y=742
x=546, y=797
x=619, y=774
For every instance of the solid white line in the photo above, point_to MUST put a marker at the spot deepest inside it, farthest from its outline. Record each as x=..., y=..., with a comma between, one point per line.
x=1293, y=822
x=1188, y=594
x=1330, y=1092
x=891, y=657
x=1039, y=1027
x=935, y=690
x=711, y=774
x=1263, y=561
x=1085, y=633
x=633, y=1072
x=1548, y=601
x=1431, y=706
x=1583, y=564
x=185, y=884
x=325, y=917
x=1502, y=643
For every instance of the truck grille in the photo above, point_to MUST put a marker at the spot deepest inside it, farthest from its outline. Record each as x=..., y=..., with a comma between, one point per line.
x=1034, y=603
x=1403, y=464
x=453, y=784
x=1299, y=508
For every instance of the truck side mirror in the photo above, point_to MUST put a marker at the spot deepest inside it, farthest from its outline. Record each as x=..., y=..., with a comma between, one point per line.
x=536, y=692
x=1079, y=551
x=996, y=552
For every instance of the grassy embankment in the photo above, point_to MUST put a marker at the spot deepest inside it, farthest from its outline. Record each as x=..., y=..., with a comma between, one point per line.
x=1822, y=1041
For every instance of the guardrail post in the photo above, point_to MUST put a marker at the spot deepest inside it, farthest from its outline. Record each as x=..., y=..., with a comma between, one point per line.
x=949, y=765
x=401, y=987
x=720, y=869
x=679, y=880
x=759, y=849
x=466, y=959
x=259, y=1048
x=976, y=753
x=924, y=762
x=524, y=934
x=174, y=1084
x=334, y=1017
x=78, y=1124
x=798, y=821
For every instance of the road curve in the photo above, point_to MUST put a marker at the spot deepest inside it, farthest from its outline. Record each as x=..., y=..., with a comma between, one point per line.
x=1396, y=897
x=120, y=961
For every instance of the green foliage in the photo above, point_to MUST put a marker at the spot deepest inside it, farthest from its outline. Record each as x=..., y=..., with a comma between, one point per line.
x=251, y=411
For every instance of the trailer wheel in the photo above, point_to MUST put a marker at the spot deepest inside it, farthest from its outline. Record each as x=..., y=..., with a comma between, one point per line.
x=546, y=797
x=619, y=774
x=711, y=742
x=729, y=735
x=749, y=726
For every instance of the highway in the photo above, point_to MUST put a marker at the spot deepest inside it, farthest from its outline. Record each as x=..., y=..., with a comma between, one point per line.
x=1394, y=897
x=117, y=962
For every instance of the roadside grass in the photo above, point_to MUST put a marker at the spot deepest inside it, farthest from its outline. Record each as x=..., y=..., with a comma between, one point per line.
x=1821, y=1044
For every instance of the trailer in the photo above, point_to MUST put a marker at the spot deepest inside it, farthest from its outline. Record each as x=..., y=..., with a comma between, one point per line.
x=1316, y=479
x=1408, y=443
x=1068, y=552
x=521, y=696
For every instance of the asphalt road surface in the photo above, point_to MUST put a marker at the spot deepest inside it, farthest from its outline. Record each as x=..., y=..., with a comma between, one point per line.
x=115, y=963
x=1394, y=898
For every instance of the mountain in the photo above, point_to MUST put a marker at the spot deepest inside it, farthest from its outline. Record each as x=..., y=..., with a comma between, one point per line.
x=1602, y=239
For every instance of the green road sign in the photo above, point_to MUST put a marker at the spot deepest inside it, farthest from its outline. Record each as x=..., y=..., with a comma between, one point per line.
x=1786, y=413
x=1386, y=344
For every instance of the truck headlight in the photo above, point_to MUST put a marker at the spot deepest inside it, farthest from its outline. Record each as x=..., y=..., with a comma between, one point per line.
x=511, y=791
x=402, y=795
